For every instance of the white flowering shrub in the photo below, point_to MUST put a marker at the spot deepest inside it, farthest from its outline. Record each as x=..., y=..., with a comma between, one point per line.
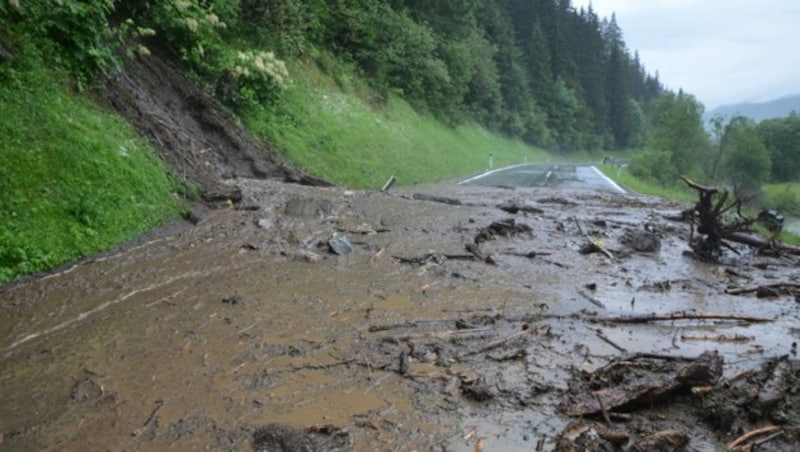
x=253, y=78
x=193, y=28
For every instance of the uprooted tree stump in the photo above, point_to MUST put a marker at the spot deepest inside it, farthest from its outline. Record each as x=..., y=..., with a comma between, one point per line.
x=708, y=218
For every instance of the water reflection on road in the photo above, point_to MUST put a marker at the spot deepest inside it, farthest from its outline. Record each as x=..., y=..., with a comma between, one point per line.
x=547, y=175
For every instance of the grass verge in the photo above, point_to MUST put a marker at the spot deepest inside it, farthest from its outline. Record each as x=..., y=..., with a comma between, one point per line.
x=624, y=178
x=74, y=180
x=333, y=133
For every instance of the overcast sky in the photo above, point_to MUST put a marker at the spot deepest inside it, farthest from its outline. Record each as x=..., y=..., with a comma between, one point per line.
x=722, y=51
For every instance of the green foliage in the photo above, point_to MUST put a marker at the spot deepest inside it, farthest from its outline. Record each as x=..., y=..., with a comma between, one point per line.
x=76, y=34
x=193, y=28
x=625, y=178
x=291, y=27
x=675, y=125
x=784, y=197
x=654, y=166
x=745, y=161
x=74, y=180
x=782, y=138
x=253, y=78
x=200, y=31
x=344, y=139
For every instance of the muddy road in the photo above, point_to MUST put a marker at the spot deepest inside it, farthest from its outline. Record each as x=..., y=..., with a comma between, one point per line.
x=446, y=317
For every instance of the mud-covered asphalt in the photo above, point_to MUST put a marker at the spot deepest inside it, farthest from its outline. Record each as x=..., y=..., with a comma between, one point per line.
x=200, y=338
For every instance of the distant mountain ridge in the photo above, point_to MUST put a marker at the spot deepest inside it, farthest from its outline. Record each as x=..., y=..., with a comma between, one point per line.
x=777, y=108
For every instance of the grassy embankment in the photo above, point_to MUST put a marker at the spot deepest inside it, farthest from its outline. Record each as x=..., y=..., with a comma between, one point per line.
x=74, y=180
x=330, y=130
x=773, y=193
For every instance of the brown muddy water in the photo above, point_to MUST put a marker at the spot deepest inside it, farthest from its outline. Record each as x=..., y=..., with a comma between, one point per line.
x=201, y=338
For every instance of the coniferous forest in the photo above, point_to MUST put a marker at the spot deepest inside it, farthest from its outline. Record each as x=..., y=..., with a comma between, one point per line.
x=540, y=70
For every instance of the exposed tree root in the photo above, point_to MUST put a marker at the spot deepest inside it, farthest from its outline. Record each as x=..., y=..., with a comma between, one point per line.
x=708, y=218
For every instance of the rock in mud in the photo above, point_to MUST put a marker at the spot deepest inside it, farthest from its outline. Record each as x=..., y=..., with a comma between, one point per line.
x=222, y=194
x=641, y=241
x=706, y=370
x=86, y=389
x=514, y=207
x=503, y=228
x=282, y=438
x=774, y=390
x=339, y=245
x=477, y=389
x=234, y=300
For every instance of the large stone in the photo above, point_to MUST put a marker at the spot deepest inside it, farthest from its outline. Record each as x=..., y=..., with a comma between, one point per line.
x=641, y=240
x=340, y=245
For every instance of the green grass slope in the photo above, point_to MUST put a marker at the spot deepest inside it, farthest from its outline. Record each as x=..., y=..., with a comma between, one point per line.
x=329, y=130
x=74, y=180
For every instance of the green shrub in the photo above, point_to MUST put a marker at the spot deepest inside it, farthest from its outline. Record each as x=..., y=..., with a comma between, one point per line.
x=783, y=197
x=253, y=78
x=654, y=166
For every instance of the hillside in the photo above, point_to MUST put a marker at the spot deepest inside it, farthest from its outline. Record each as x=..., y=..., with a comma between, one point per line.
x=777, y=108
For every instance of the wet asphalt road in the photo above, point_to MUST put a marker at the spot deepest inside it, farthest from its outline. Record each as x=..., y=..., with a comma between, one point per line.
x=547, y=175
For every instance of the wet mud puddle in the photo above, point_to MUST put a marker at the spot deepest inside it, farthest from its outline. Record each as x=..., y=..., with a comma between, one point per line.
x=443, y=317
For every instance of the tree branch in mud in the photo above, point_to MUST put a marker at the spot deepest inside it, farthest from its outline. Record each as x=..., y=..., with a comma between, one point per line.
x=767, y=289
x=499, y=342
x=396, y=339
x=433, y=198
x=752, y=434
x=708, y=216
x=683, y=316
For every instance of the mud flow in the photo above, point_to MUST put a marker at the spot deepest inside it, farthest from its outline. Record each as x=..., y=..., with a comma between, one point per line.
x=440, y=317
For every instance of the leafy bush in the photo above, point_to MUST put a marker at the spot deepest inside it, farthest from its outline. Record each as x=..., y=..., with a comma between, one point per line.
x=783, y=197
x=192, y=29
x=654, y=166
x=76, y=33
x=253, y=78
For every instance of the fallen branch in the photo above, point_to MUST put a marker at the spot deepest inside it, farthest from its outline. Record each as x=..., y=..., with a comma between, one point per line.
x=767, y=439
x=436, y=258
x=410, y=324
x=378, y=254
x=593, y=300
x=682, y=316
x=499, y=342
x=717, y=338
x=441, y=199
x=151, y=420
x=777, y=286
x=435, y=335
x=752, y=434
x=608, y=341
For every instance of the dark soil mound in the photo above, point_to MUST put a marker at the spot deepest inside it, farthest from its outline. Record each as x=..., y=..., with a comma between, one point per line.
x=195, y=135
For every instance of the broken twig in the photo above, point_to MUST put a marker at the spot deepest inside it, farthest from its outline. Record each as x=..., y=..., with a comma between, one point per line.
x=778, y=286
x=499, y=342
x=592, y=299
x=752, y=434
x=682, y=316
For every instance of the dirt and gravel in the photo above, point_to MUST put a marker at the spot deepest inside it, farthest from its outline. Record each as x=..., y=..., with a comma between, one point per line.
x=436, y=317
